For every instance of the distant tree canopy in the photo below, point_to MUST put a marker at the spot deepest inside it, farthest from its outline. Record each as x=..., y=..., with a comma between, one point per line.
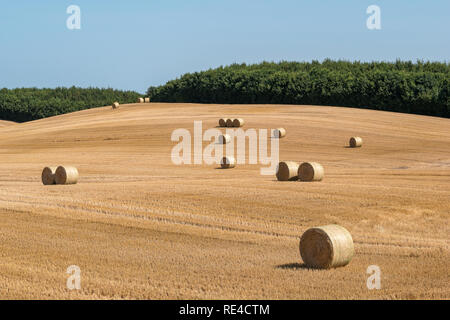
x=402, y=86
x=27, y=104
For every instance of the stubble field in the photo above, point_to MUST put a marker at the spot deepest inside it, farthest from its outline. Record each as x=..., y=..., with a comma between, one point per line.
x=141, y=227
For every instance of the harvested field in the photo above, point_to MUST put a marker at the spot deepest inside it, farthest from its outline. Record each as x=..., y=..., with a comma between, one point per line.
x=141, y=227
x=4, y=123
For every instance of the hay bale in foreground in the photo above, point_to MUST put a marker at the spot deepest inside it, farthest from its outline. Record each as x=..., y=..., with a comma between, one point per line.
x=48, y=176
x=355, y=142
x=227, y=162
x=310, y=171
x=223, y=122
x=115, y=105
x=66, y=175
x=224, y=138
x=326, y=247
x=146, y=100
x=279, y=133
x=238, y=122
x=287, y=171
x=140, y=100
x=229, y=123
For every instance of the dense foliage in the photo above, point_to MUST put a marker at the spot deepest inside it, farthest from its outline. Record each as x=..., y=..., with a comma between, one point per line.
x=30, y=103
x=403, y=86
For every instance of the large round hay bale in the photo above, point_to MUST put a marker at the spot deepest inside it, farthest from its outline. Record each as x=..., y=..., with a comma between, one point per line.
x=48, y=176
x=146, y=100
x=355, y=142
x=326, y=247
x=229, y=123
x=224, y=138
x=287, y=171
x=279, y=133
x=115, y=105
x=310, y=171
x=66, y=175
x=140, y=100
x=227, y=162
x=238, y=122
x=222, y=122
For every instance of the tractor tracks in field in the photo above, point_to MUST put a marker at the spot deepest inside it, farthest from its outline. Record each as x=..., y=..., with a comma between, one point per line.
x=207, y=222
x=151, y=216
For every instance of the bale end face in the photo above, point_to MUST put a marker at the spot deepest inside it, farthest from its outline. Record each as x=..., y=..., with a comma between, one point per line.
x=227, y=162
x=310, y=171
x=66, y=175
x=140, y=100
x=238, y=122
x=355, y=142
x=146, y=100
x=48, y=176
x=115, y=105
x=287, y=171
x=229, y=123
x=279, y=133
x=222, y=122
x=326, y=247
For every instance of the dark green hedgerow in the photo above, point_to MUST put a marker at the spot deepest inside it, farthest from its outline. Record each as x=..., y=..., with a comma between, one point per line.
x=27, y=104
x=421, y=87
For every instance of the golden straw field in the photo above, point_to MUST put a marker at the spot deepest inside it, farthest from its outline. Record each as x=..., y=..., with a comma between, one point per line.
x=141, y=227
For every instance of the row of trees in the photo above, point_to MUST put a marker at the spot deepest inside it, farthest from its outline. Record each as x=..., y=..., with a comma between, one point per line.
x=402, y=86
x=27, y=104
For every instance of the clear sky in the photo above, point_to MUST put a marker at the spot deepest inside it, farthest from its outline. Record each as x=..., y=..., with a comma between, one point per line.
x=135, y=44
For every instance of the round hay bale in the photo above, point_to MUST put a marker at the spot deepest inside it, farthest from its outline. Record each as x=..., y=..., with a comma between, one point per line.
x=229, y=123
x=227, y=162
x=222, y=122
x=238, y=122
x=140, y=100
x=48, y=176
x=326, y=247
x=287, y=171
x=66, y=175
x=355, y=142
x=115, y=105
x=224, y=138
x=146, y=100
x=279, y=133
x=310, y=171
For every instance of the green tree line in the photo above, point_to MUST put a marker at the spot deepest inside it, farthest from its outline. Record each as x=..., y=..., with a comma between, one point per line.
x=27, y=104
x=401, y=86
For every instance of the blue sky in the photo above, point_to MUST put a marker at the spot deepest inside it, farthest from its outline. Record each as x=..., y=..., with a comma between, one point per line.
x=136, y=44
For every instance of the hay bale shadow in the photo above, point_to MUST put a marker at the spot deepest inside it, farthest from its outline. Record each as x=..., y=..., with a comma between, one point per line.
x=292, y=266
